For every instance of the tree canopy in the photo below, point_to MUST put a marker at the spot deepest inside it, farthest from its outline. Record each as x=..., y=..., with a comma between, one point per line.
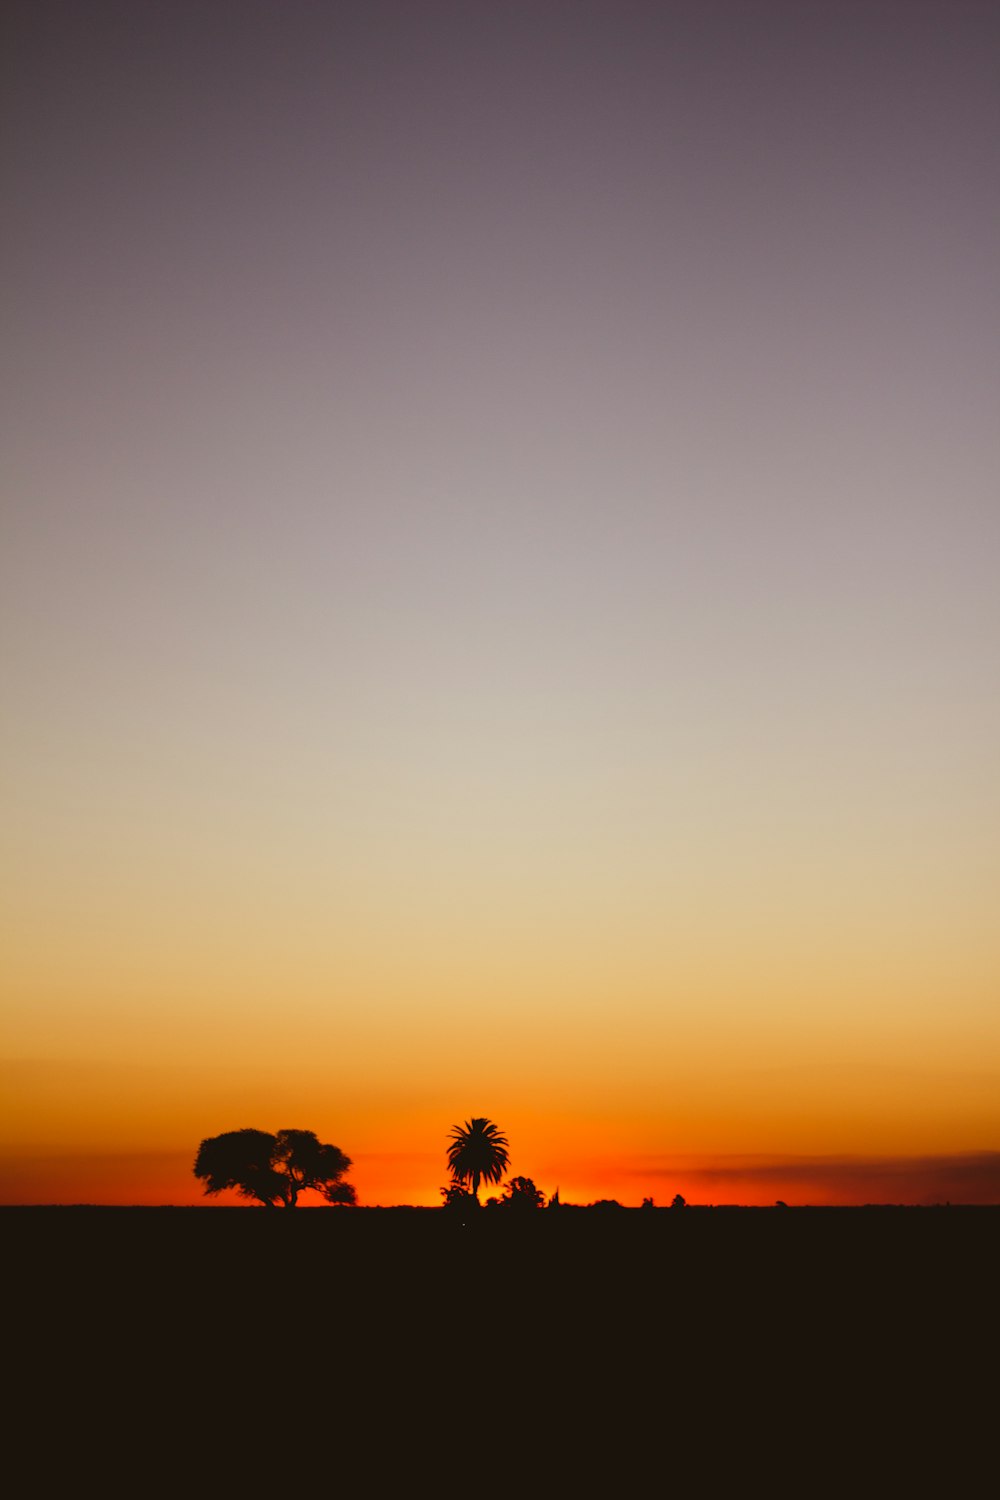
x=274, y=1169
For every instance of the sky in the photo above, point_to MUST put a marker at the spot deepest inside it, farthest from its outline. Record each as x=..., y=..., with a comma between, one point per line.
x=498, y=593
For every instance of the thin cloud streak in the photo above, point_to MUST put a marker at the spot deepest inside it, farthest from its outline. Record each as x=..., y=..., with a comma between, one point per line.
x=970, y=1177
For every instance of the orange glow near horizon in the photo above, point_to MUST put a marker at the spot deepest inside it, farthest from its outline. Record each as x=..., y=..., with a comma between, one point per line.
x=718, y=1101
x=720, y=1093
x=582, y=1165
x=164, y=1179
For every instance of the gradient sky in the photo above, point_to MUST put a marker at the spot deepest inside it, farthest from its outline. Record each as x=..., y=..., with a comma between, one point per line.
x=499, y=593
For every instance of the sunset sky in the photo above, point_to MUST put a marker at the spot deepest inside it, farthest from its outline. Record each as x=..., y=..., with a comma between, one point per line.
x=499, y=599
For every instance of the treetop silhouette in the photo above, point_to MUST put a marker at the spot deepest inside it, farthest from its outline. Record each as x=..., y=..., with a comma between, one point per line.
x=477, y=1152
x=274, y=1169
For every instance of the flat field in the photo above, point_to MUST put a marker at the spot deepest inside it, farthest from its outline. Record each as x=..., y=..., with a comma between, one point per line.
x=737, y=1334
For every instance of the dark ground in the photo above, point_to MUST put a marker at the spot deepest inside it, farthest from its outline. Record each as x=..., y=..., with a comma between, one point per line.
x=574, y=1347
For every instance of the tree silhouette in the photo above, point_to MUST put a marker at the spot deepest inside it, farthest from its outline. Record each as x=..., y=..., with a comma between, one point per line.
x=457, y=1198
x=520, y=1194
x=477, y=1153
x=273, y=1169
x=240, y=1159
x=307, y=1162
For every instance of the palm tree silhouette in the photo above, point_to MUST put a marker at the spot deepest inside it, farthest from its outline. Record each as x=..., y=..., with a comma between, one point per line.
x=477, y=1152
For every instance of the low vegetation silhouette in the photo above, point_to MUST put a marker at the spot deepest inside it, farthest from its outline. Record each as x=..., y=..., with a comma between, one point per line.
x=457, y=1198
x=519, y=1194
x=274, y=1169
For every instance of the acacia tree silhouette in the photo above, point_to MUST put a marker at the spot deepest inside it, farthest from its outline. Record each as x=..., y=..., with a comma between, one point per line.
x=240, y=1159
x=477, y=1153
x=273, y=1169
x=306, y=1162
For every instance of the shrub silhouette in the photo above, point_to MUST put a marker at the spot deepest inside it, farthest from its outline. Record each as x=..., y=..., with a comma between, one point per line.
x=521, y=1194
x=458, y=1198
x=273, y=1169
x=477, y=1153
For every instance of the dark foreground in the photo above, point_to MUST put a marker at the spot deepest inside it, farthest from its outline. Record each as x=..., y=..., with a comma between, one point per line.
x=281, y=1338
x=662, y=1275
